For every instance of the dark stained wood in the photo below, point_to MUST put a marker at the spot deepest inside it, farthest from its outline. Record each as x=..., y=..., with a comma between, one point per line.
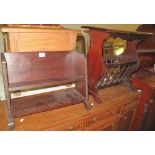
x=96, y=67
x=39, y=103
x=146, y=77
x=129, y=35
x=30, y=70
x=26, y=67
x=145, y=81
x=42, y=83
x=148, y=43
x=81, y=72
x=99, y=73
x=55, y=68
x=148, y=120
x=146, y=59
x=146, y=48
x=6, y=90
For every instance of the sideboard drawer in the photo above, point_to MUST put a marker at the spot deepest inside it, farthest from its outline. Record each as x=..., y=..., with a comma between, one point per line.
x=130, y=106
x=107, y=125
x=99, y=117
x=69, y=126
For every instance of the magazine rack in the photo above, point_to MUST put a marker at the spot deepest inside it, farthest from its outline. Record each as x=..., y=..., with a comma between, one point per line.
x=104, y=70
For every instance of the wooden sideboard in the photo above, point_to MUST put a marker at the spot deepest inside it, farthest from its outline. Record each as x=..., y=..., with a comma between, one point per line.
x=116, y=112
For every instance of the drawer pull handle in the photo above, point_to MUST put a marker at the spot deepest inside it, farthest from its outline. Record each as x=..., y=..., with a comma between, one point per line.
x=114, y=112
x=125, y=117
x=94, y=119
x=71, y=128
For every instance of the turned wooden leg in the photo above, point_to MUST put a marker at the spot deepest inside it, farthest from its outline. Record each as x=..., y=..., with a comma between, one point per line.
x=95, y=96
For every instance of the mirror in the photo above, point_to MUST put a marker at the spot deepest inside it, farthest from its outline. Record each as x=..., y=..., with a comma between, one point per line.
x=114, y=47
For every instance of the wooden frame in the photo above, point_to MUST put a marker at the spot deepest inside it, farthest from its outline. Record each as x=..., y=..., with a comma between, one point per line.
x=24, y=71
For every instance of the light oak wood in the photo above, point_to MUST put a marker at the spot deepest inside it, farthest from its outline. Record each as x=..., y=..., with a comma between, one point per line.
x=106, y=125
x=39, y=39
x=53, y=26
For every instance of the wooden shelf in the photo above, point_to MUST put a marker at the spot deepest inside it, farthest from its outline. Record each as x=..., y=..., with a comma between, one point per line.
x=145, y=51
x=29, y=70
x=44, y=102
x=43, y=83
x=121, y=63
x=51, y=26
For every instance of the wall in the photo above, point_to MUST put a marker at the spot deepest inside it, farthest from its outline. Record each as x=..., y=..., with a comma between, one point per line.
x=130, y=27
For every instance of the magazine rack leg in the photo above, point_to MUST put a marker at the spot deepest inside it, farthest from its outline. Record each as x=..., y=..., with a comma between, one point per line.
x=87, y=103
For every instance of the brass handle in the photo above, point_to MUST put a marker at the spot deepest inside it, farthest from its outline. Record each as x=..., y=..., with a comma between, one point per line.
x=94, y=119
x=71, y=128
x=114, y=112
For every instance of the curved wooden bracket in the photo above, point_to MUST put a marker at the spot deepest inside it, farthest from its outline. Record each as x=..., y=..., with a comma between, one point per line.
x=96, y=67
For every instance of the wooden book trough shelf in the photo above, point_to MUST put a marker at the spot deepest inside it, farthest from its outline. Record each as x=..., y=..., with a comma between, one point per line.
x=29, y=70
